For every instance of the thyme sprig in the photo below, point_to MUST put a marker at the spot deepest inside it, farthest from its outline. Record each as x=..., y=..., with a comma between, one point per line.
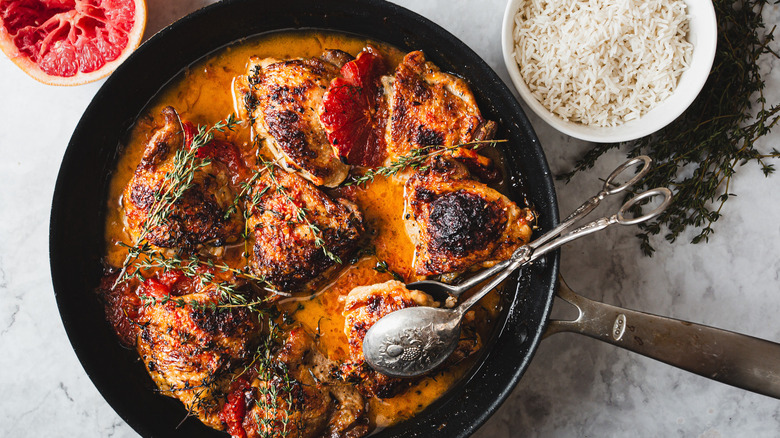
x=254, y=200
x=246, y=188
x=278, y=385
x=205, y=270
x=698, y=154
x=301, y=213
x=186, y=163
x=415, y=159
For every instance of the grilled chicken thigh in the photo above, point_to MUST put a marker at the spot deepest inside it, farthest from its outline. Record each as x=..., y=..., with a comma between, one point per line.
x=364, y=306
x=456, y=222
x=292, y=223
x=198, y=216
x=428, y=107
x=282, y=100
x=295, y=399
x=190, y=352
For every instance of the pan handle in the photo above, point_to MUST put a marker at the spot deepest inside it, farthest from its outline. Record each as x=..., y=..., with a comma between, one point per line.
x=732, y=358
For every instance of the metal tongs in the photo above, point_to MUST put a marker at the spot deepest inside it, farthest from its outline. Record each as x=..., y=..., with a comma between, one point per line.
x=413, y=341
x=555, y=238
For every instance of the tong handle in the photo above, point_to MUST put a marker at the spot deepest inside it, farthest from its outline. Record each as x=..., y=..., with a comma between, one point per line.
x=618, y=218
x=610, y=188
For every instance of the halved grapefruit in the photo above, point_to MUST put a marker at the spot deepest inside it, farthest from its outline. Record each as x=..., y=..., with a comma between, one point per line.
x=70, y=42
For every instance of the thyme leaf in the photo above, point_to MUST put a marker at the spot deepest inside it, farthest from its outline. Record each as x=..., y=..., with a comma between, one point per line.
x=415, y=159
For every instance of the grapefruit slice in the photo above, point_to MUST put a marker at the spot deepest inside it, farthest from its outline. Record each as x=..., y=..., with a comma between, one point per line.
x=70, y=42
x=352, y=111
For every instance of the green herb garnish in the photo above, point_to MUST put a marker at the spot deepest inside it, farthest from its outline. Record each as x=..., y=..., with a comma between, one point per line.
x=698, y=154
x=415, y=159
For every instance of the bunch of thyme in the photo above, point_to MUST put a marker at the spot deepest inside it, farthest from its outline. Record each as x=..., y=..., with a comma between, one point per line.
x=698, y=154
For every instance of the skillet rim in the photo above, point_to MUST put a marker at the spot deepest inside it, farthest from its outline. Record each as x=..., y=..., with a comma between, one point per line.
x=514, y=343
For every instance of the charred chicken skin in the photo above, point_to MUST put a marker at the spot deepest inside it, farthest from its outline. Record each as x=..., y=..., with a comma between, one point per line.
x=294, y=398
x=429, y=107
x=190, y=350
x=282, y=100
x=457, y=223
x=198, y=216
x=364, y=306
x=292, y=223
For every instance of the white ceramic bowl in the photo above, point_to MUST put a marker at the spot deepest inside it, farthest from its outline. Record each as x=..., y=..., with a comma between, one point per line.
x=702, y=34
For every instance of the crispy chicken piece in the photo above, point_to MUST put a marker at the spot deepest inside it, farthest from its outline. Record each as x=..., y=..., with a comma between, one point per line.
x=456, y=223
x=292, y=224
x=295, y=398
x=364, y=306
x=429, y=107
x=198, y=217
x=190, y=352
x=282, y=101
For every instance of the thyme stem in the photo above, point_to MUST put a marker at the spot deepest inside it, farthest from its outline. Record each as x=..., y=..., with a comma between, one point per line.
x=415, y=159
x=698, y=154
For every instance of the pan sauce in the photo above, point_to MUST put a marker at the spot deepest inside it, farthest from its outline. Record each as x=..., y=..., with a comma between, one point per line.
x=202, y=96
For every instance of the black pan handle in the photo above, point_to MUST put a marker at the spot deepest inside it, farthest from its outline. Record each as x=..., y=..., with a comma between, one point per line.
x=732, y=358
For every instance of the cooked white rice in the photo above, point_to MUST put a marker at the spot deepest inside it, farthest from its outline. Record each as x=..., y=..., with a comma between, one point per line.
x=601, y=62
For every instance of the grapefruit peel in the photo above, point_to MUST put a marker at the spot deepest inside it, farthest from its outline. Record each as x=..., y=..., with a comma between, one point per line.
x=70, y=42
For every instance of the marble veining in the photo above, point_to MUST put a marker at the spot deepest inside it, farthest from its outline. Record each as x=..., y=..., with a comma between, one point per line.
x=575, y=386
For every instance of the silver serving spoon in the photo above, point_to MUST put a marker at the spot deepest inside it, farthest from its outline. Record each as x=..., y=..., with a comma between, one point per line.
x=413, y=341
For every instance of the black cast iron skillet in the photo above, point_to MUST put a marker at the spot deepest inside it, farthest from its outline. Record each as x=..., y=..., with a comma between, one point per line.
x=77, y=218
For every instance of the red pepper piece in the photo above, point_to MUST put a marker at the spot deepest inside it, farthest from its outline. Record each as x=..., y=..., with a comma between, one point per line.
x=218, y=150
x=169, y=278
x=153, y=287
x=234, y=410
x=226, y=153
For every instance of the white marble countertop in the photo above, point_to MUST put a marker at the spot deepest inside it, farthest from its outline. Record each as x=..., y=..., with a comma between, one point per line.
x=575, y=386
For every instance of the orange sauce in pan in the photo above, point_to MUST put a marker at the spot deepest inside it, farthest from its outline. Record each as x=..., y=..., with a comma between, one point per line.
x=202, y=95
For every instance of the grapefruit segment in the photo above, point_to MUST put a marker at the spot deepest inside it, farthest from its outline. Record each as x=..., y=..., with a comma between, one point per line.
x=70, y=42
x=352, y=111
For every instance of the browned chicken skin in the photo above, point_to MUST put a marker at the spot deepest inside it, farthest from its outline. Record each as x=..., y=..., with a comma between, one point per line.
x=286, y=250
x=210, y=360
x=191, y=352
x=305, y=403
x=429, y=107
x=364, y=306
x=456, y=222
x=198, y=217
x=282, y=100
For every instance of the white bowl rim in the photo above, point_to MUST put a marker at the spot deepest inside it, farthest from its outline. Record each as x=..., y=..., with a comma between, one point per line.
x=703, y=35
